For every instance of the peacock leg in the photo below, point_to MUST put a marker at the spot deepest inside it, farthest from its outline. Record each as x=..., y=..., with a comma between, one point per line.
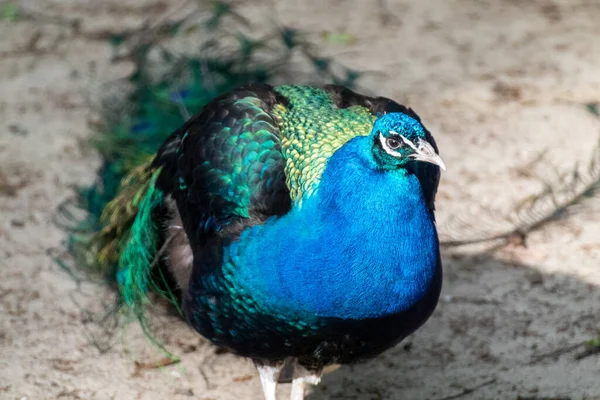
x=269, y=374
x=302, y=378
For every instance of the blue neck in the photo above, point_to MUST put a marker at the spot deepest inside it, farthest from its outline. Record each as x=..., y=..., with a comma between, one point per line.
x=363, y=246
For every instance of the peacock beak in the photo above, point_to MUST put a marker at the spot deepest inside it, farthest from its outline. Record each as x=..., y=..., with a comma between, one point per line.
x=423, y=151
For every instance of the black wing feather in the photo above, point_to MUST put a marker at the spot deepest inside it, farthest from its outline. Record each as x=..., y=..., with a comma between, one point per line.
x=224, y=167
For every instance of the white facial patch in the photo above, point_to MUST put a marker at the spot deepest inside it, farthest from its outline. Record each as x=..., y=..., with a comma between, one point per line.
x=406, y=141
x=389, y=150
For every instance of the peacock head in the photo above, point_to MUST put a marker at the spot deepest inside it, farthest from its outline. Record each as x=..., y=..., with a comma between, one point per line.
x=399, y=140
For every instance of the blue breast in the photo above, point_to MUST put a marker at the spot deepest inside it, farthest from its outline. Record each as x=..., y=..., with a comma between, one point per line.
x=364, y=245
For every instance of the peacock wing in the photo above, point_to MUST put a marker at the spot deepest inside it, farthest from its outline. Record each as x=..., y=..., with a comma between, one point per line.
x=225, y=166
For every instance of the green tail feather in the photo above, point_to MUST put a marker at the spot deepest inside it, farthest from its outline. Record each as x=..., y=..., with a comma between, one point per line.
x=140, y=255
x=137, y=258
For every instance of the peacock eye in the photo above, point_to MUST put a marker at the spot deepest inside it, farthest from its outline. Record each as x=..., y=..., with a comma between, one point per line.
x=393, y=144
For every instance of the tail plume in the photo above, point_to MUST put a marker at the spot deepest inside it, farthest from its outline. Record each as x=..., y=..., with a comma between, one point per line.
x=139, y=253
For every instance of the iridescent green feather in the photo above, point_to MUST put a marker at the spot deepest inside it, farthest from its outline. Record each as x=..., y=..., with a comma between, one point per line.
x=139, y=252
x=131, y=239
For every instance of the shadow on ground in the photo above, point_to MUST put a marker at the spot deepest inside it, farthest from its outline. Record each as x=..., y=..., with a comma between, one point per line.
x=496, y=320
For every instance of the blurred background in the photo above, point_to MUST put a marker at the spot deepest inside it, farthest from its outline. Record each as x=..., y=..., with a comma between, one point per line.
x=509, y=88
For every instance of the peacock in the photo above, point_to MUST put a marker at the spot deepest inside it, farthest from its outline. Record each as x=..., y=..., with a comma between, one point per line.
x=293, y=225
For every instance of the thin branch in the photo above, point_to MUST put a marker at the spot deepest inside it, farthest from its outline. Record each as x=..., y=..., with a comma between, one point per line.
x=470, y=390
x=165, y=362
x=555, y=353
x=563, y=194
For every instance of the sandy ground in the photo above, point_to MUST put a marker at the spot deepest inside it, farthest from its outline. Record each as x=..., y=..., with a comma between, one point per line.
x=496, y=81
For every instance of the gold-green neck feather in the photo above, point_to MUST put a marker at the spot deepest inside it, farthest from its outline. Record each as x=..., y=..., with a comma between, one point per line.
x=312, y=129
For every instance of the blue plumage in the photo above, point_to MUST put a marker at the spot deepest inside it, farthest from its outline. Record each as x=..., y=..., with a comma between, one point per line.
x=308, y=226
x=327, y=262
